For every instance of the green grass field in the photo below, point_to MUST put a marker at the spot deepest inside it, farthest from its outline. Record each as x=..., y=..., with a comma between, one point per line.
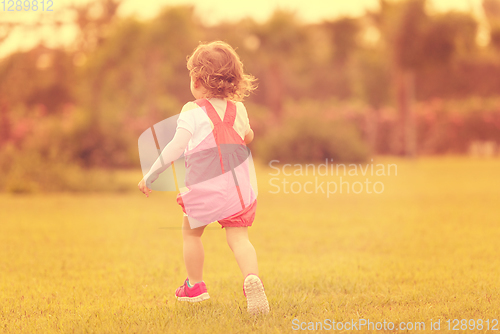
x=426, y=248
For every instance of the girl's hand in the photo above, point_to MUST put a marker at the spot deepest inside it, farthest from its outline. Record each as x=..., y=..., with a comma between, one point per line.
x=142, y=187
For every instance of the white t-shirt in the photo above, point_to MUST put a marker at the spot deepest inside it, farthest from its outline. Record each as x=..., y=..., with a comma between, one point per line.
x=194, y=119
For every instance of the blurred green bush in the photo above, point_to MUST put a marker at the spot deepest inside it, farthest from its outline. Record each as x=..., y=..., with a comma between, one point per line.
x=45, y=156
x=450, y=126
x=28, y=171
x=311, y=131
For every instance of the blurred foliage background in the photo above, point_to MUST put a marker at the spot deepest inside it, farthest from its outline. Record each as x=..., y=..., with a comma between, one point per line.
x=397, y=81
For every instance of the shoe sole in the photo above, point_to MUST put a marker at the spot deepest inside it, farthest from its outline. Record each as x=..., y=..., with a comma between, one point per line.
x=200, y=298
x=256, y=296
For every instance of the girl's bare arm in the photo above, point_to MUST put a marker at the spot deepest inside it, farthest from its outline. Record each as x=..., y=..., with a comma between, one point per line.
x=249, y=136
x=171, y=152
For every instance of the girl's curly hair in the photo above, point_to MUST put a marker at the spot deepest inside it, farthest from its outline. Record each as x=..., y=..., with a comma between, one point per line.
x=220, y=71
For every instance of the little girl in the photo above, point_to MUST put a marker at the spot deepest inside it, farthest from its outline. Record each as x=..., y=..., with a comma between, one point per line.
x=213, y=132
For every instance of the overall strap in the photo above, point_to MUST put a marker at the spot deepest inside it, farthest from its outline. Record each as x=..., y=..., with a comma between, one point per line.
x=215, y=118
x=230, y=114
x=209, y=108
x=229, y=118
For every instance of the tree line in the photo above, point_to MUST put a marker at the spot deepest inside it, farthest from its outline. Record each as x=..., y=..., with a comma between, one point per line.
x=372, y=78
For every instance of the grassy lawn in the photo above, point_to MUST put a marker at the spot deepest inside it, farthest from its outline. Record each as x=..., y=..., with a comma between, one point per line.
x=425, y=248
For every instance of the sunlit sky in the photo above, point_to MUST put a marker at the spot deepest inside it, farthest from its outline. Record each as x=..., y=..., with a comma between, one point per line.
x=26, y=35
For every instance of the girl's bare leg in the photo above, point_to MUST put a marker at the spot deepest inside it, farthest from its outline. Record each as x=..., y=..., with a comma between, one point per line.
x=194, y=254
x=244, y=252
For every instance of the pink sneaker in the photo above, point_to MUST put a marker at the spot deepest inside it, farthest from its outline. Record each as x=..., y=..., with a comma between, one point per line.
x=253, y=289
x=195, y=294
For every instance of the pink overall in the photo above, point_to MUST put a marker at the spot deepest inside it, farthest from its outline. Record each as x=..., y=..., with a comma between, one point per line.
x=217, y=175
